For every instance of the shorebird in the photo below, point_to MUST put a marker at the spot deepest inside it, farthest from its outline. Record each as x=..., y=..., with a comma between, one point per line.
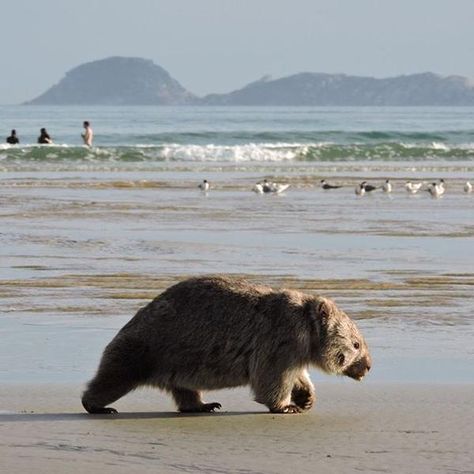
x=468, y=187
x=204, y=186
x=262, y=187
x=276, y=188
x=266, y=187
x=436, y=189
x=368, y=188
x=360, y=190
x=387, y=186
x=413, y=187
x=325, y=185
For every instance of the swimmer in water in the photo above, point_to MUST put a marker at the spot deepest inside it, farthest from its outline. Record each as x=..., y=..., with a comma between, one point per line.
x=88, y=134
x=13, y=139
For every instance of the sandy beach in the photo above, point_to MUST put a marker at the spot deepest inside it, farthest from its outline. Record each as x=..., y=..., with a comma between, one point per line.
x=392, y=428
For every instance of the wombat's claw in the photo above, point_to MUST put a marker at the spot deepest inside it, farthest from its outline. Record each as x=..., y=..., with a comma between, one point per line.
x=203, y=408
x=210, y=407
x=307, y=406
x=287, y=409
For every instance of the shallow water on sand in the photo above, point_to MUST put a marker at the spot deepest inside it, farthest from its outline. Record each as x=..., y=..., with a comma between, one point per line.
x=81, y=252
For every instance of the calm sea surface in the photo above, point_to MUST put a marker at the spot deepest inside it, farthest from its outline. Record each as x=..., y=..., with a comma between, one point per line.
x=87, y=236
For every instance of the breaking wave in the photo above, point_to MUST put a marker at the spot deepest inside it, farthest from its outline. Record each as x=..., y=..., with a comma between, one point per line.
x=373, y=148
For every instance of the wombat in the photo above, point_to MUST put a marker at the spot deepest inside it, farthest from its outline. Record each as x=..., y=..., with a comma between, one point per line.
x=210, y=333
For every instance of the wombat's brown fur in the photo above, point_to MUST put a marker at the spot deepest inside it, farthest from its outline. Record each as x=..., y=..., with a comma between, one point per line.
x=216, y=332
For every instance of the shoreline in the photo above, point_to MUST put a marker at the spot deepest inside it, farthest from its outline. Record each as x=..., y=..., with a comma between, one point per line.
x=353, y=428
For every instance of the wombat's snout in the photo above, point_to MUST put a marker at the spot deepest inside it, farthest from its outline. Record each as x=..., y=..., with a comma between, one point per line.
x=359, y=368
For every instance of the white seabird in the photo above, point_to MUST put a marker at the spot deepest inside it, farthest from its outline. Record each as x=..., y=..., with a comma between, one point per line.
x=267, y=187
x=436, y=189
x=277, y=188
x=413, y=187
x=387, y=186
x=468, y=187
x=204, y=186
x=360, y=190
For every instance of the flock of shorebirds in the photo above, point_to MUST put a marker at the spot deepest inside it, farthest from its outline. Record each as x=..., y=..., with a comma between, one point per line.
x=436, y=189
x=262, y=187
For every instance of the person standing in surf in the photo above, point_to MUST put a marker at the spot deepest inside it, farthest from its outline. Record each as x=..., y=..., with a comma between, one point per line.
x=88, y=134
x=44, y=138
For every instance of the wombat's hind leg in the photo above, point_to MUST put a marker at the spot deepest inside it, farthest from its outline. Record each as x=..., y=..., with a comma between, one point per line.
x=103, y=391
x=125, y=364
x=303, y=394
x=111, y=382
x=189, y=401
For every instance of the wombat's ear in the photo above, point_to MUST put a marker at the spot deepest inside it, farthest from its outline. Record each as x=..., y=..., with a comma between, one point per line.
x=318, y=311
x=324, y=310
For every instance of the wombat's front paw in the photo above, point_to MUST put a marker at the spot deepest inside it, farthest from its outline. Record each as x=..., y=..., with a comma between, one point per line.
x=304, y=399
x=286, y=409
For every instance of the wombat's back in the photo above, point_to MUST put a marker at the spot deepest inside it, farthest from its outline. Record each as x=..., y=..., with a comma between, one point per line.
x=217, y=299
x=200, y=331
x=208, y=330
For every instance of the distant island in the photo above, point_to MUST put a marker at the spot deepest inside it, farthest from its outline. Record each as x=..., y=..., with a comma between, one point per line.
x=116, y=81
x=137, y=81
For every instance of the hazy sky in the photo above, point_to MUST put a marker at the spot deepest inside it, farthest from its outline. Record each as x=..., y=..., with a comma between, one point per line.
x=220, y=45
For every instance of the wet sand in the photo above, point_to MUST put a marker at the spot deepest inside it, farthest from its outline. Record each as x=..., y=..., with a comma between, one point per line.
x=392, y=428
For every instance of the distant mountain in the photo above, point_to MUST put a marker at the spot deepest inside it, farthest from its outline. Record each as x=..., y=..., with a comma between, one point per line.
x=136, y=81
x=116, y=81
x=340, y=89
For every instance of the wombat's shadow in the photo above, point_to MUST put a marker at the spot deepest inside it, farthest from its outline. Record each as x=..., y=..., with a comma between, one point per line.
x=34, y=417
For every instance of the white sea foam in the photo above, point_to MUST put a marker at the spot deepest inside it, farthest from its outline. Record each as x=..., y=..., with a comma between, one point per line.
x=238, y=153
x=440, y=146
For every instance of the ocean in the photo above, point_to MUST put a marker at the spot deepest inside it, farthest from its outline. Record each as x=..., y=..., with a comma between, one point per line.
x=87, y=236
x=147, y=137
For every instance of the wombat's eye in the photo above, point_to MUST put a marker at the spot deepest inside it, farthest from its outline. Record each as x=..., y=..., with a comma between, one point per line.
x=356, y=345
